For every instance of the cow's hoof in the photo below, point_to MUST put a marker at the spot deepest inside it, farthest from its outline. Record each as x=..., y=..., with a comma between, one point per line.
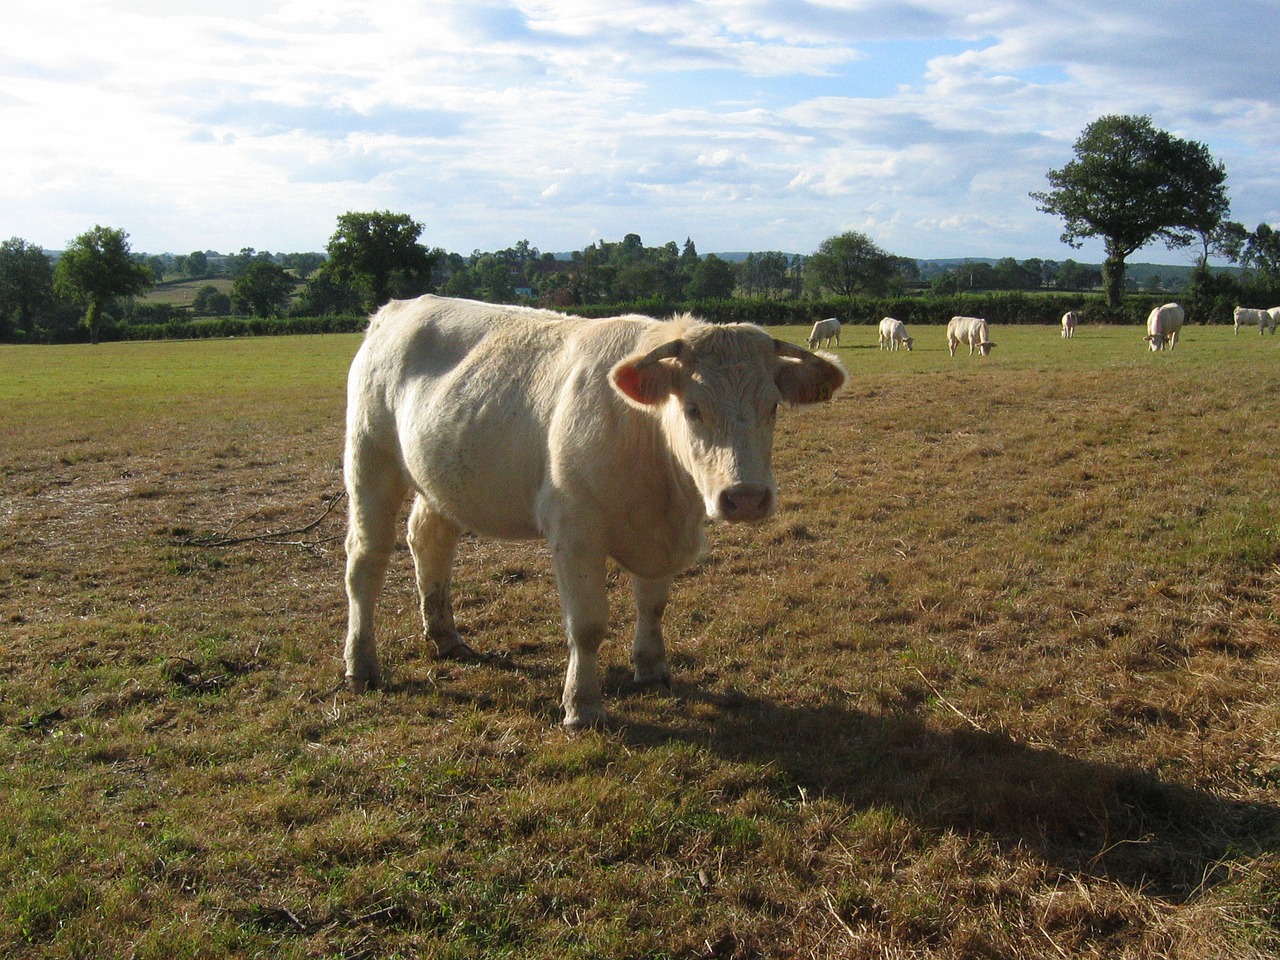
x=584, y=720
x=463, y=653
x=661, y=681
x=363, y=684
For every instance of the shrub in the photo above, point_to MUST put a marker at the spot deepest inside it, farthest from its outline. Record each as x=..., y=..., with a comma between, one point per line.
x=222, y=327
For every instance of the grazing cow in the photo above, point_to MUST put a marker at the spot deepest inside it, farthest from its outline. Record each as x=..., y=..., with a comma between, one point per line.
x=970, y=330
x=1247, y=316
x=1069, y=321
x=1163, y=324
x=1274, y=315
x=893, y=334
x=823, y=332
x=609, y=438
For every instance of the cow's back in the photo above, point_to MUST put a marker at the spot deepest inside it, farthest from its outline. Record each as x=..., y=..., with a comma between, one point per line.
x=1167, y=319
x=412, y=344
x=971, y=330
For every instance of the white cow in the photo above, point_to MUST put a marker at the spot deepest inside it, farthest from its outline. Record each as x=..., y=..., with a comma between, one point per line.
x=609, y=438
x=823, y=332
x=893, y=334
x=1163, y=324
x=1247, y=317
x=1069, y=321
x=970, y=330
x=1265, y=319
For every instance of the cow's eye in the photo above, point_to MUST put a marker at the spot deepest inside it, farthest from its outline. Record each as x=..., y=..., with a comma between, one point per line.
x=692, y=412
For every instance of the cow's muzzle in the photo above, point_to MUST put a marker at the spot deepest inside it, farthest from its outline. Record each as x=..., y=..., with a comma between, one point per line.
x=745, y=503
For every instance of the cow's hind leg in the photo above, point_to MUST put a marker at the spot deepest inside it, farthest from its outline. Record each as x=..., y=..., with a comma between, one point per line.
x=375, y=490
x=648, y=652
x=433, y=539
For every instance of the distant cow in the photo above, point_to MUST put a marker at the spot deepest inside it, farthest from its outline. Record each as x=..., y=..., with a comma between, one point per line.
x=609, y=438
x=1274, y=314
x=1163, y=324
x=893, y=334
x=823, y=332
x=1069, y=321
x=970, y=330
x=1247, y=316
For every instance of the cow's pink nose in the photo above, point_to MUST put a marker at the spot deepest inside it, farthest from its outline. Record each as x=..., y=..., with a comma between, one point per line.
x=745, y=503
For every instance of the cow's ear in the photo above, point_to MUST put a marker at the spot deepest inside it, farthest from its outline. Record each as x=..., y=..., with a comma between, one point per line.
x=805, y=377
x=649, y=378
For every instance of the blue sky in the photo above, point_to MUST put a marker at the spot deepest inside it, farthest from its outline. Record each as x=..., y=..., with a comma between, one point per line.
x=743, y=124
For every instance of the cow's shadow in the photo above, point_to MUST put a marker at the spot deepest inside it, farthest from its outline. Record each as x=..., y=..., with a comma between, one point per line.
x=1082, y=816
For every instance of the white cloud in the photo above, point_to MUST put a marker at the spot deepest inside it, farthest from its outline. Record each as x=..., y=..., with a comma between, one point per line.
x=745, y=124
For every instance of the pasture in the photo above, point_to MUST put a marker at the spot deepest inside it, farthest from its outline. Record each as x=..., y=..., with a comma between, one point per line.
x=182, y=293
x=999, y=680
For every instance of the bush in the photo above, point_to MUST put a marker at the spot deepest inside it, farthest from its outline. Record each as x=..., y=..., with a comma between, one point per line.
x=996, y=307
x=211, y=302
x=244, y=327
x=152, y=313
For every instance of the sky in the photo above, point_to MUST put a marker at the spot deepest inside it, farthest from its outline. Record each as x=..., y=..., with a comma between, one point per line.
x=740, y=124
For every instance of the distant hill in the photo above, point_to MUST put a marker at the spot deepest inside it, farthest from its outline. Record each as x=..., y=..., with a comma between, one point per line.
x=738, y=257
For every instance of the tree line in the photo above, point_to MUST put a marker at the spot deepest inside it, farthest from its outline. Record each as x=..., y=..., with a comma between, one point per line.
x=1129, y=184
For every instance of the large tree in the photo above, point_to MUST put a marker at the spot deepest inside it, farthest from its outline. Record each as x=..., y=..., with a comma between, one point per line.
x=197, y=264
x=712, y=279
x=1130, y=184
x=765, y=274
x=1258, y=251
x=379, y=253
x=263, y=289
x=26, y=284
x=849, y=264
x=96, y=268
x=326, y=294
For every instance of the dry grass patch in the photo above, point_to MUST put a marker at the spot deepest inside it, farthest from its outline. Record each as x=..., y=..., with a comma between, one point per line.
x=998, y=681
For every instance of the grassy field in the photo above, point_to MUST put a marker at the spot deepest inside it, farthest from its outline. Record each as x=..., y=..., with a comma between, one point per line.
x=182, y=293
x=1000, y=679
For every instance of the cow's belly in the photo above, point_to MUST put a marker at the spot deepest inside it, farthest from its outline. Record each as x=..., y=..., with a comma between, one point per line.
x=485, y=480
x=507, y=516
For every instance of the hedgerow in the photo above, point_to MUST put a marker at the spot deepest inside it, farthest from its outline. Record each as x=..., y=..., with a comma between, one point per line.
x=222, y=327
x=999, y=308
x=996, y=307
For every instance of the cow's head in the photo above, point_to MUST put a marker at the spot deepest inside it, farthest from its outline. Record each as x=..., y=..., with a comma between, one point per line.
x=1155, y=340
x=717, y=390
x=908, y=342
x=986, y=347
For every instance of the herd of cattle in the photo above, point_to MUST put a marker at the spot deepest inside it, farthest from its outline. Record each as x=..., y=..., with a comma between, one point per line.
x=1163, y=326
x=610, y=439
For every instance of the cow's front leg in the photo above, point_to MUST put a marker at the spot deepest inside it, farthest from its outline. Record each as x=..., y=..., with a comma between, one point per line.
x=580, y=577
x=648, y=652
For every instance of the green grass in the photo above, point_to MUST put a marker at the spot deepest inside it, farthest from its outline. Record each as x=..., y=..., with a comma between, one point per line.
x=182, y=293
x=998, y=681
